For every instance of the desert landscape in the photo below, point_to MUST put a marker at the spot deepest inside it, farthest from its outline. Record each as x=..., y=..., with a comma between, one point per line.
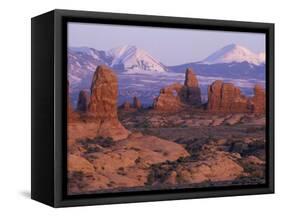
x=177, y=141
x=164, y=108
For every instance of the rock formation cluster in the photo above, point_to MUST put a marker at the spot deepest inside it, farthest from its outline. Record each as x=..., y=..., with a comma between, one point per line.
x=170, y=98
x=226, y=98
x=103, y=155
x=176, y=96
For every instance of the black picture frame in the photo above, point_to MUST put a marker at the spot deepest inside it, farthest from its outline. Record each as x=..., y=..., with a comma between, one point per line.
x=49, y=103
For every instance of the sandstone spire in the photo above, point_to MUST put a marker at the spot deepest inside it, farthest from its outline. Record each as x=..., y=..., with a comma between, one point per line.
x=104, y=92
x=193, y=92
x=136, y=103
x=190, y=78
x=103, y=104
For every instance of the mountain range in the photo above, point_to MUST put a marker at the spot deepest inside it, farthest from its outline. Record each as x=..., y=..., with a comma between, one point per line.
x=230, y=59
x=230, y=62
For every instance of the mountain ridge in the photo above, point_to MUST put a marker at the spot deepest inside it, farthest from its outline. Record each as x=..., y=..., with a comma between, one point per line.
x=235, y=53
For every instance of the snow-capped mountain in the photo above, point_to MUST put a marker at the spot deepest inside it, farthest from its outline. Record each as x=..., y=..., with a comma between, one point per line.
x=82, y=62
x=131, y=58
x=234, y=53
x=139, y=72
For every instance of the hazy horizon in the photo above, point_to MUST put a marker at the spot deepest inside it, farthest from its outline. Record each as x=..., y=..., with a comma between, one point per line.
x=190, y=45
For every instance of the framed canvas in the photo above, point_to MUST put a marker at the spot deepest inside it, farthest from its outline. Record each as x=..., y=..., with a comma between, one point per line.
x=134, y=108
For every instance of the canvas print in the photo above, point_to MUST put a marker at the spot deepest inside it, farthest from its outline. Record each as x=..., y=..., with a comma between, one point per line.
x=153, y=108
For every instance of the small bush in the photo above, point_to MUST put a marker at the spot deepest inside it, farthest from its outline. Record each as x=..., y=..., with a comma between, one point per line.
x=105, y=142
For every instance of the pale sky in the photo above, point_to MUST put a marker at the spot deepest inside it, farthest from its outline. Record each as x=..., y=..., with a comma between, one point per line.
x=169, y=45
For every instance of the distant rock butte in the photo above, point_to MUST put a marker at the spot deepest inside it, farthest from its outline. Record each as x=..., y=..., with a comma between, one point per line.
x=176, y=96
x=83, y=101
x=126, y=105
x=225, y=97
x=258, y=100
x=169, y=98
x=137, y=103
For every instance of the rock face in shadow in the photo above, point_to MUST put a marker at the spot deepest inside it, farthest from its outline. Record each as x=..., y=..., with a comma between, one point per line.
x=258, y=100
x=83, y=101
x=126, y=105
x=71, y=115
x=137, y=103
x=193, y=92
x=170, y=98
x=225, y=97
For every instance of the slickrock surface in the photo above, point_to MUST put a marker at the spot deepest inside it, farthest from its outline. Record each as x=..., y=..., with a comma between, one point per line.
x=109, y=165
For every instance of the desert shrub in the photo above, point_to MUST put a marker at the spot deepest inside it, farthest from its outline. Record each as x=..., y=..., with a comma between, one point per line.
x=93, y=149
x=78, y=175
x=102, y=141
x=157, y=174
x=138, y=160
x=143, y=124
x=77, y=179
x=121, y=171
x=181, y=160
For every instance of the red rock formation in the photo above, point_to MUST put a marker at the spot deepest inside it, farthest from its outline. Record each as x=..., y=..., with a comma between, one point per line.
x=136, y=103
x=225, y=97
x=70, y=112
x=103, y=104
x=190, y=78
x=193, y=92
x=258, y=101
x=126, y=105
x=169, y=98
x=83, y=101
x=176, y=96
x=104, y=92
